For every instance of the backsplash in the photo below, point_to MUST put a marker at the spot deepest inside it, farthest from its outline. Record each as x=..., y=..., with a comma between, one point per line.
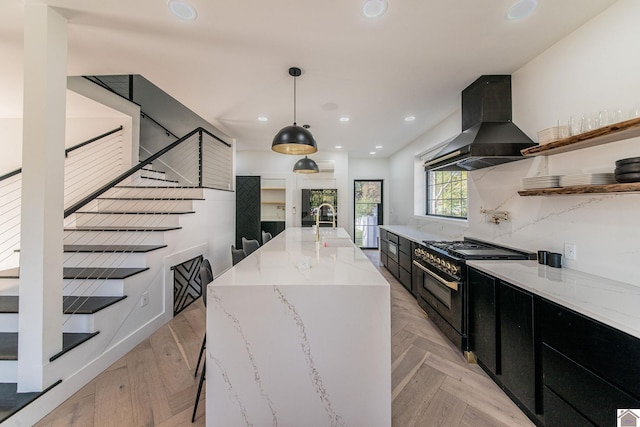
x=602, y=226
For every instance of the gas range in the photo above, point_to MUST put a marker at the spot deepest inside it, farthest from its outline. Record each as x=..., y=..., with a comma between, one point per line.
x=441, y=279
x=450, y=256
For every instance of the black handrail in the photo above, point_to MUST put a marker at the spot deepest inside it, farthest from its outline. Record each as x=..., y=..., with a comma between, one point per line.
x=135, y=169
x=215, y=137
x=67, y=151
x=89, y=141
x=10, y=174
x=167, y=131
x=96, y=80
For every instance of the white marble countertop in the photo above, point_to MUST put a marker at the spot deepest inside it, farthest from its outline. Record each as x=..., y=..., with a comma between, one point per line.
x=414, y=234
x=611, y=302
x=335, y=260
x=299, y=334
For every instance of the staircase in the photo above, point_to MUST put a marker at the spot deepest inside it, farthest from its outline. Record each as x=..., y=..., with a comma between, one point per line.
x=113, y=258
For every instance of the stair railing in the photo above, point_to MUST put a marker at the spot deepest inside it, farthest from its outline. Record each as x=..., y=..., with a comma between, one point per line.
x=199, y=159
x=87, y=164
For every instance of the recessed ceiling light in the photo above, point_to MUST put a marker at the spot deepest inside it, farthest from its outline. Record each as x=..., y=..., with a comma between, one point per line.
x=338, y=146
x=378, y=147
x=409, y=118
x=522, y=9
x=374, y=8
x=344, y=119
x=372, y=152
x=182, y=10
x=263, y=119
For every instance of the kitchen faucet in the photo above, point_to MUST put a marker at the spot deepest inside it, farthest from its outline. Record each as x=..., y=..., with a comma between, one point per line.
x=332, y=222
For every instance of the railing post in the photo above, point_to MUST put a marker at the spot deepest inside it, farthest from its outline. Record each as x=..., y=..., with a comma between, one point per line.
x=200, y=158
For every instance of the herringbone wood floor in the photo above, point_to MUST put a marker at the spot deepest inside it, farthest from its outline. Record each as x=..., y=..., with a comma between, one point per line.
x=153, y=385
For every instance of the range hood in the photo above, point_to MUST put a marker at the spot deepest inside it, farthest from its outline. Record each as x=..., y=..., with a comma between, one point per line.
x=488, y=136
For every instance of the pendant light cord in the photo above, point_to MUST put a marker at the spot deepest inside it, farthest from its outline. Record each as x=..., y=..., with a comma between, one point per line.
x=294, y=101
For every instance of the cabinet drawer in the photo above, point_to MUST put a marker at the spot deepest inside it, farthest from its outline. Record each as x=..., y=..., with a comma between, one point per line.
x=405, y=261
x=405, y=278
x=383, y=258
x=610, y=353
x=595, y=398
x=560, y=414
x=392, y=266
x=392, y=238
x=382, y=234
x=384, y=245
x=404, y=245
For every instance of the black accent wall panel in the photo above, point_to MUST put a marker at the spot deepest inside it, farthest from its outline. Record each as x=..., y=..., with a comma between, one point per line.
x=247, y=209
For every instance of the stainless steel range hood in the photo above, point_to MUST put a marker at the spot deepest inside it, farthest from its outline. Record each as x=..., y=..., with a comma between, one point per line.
x=488, y=136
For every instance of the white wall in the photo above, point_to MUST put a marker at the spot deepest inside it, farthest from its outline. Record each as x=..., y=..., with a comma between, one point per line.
x=593, y=68
x=11, y=144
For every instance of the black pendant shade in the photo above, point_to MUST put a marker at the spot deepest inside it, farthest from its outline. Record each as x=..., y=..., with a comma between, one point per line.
x=306, y=165
x=294, y=139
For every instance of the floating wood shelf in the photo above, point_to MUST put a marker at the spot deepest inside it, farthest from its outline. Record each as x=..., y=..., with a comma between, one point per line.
x=604, y=135
x=273, y=188
x=274, y=203
x=583, y=189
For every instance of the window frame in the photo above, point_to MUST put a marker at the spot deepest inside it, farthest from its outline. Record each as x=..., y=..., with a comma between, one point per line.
x=428, y=196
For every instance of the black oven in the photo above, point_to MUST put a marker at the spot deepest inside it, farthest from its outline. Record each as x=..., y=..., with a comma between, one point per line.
x=441, y=296
x=439, y=274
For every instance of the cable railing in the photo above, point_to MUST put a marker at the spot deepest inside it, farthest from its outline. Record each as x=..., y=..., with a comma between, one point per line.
x=87, y=164
x=199, y=159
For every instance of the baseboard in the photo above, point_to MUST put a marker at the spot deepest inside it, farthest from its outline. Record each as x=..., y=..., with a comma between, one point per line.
x=51, y=400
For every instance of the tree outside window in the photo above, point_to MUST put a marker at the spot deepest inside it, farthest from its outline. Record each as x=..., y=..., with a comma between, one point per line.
x=447, y=193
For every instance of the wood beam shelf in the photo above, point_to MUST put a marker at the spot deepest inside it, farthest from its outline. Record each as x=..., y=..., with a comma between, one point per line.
x=604, y=135
x=583, y=189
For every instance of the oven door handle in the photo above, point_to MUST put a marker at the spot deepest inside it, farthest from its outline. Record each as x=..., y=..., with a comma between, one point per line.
x=447, y=283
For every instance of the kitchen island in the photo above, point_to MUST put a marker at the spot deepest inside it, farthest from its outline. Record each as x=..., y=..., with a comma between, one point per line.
x=299, y=334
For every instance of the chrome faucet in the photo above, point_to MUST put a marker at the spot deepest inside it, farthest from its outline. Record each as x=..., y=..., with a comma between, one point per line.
x=332, y=222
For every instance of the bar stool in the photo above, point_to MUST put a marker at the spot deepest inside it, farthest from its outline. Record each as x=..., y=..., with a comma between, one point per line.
x=206, y=277
x=249, y=246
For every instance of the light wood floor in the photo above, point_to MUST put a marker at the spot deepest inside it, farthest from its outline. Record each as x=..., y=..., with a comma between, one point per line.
x=153, y=385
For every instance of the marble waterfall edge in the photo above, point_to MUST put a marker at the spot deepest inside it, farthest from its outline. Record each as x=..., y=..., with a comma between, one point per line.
x=311, y=354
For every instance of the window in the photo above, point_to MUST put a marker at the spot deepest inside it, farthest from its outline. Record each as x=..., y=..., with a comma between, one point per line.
x=447, y=193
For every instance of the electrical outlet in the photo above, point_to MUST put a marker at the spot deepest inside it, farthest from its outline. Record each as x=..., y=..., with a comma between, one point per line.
x=570, y=251
x=144, y=300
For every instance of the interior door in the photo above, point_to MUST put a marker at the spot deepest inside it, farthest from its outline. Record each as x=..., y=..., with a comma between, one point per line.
x=367, y=200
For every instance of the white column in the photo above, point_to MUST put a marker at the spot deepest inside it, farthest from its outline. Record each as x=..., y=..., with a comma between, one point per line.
x=45, y=80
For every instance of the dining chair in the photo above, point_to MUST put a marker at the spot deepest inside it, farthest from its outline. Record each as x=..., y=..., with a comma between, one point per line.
x=249, y=246
x=237, y=255
x=206, y=277
x=266, y=236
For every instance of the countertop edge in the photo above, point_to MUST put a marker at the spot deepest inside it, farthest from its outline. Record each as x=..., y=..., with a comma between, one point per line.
x=493, y=269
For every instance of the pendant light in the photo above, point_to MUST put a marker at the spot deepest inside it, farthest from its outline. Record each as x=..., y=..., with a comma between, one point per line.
x=294, y=139
x=306, y=165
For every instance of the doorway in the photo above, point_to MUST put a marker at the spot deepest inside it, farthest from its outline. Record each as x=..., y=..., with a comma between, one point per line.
x=367, y=208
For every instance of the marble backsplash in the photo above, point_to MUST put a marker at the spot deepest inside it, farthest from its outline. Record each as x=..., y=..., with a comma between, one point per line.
x=602, y=226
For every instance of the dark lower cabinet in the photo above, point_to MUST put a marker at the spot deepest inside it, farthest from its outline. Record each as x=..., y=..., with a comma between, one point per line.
x=562, y=368
x=593, y=368
x=517, y=347
x=483, y=319
x=560, y=413
x=395, y=255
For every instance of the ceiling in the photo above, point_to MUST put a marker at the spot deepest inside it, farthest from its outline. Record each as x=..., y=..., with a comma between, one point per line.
x=230, y=64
